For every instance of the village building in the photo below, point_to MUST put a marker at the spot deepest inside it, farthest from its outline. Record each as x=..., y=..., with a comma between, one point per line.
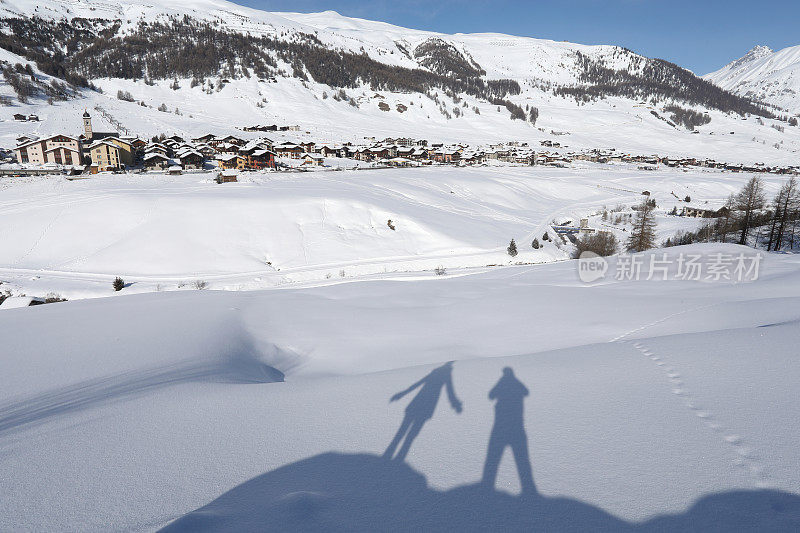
x=126, y=151
x=159, y=148
x=700, y=212
x=311, y=160
x=156, y=161
x=227, y=148
x=401, y=141
x=363, y=154
x=261, y=159
x=231, y=161
x=263, y=143
x=58, y=149
x=227, y=139
x=227, y=176
x=401, y=162
x=446, y=156
x=190, y=159
x=330, y=151
x=207, y=151
x=105, y=156
x=288, y=149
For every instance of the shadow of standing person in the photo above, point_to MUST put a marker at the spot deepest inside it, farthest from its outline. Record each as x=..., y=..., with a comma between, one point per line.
x=421, y=408
x=509, y=430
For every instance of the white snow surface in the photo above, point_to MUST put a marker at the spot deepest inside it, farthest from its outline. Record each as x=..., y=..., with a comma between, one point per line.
x=654, y=405
x=162, y=232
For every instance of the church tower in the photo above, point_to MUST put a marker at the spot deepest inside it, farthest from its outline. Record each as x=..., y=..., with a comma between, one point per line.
x=87, y=125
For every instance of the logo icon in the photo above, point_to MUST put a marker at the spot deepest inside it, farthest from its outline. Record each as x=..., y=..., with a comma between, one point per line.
x=591, y=267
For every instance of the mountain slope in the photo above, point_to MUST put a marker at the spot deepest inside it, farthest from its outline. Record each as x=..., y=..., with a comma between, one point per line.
x=219, y=67
x=766, y=75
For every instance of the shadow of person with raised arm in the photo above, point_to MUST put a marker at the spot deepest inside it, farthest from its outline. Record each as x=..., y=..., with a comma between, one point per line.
x=509, y=430
x=421, y=408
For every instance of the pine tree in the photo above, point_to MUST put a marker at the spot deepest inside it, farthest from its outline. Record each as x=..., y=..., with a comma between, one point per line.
x=118, y=284
x=749, y=200
x=535, y=244
x=786, y=204
x=643, y=234
x=512, y=248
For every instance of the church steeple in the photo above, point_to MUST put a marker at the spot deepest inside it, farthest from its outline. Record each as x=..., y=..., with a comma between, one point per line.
x=87, y=125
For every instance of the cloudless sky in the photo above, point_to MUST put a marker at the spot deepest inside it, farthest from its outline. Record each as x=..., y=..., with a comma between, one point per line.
x=701, y=35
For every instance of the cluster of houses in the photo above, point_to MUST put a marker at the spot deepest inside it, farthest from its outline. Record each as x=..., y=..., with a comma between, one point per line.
x=95, y=151
x=108, y=151
x=651, y=161
x=225, y=152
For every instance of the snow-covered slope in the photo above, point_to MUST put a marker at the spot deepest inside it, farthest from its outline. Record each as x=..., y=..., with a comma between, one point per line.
x=162, y=232
x=764, y=74
x=653, y=406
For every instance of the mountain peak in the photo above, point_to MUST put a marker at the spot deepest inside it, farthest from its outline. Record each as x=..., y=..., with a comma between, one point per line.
x=757, y=52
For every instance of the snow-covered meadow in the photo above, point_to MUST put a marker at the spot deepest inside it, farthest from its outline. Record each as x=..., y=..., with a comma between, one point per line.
x=265, y=404
x=653, y=405
x=162, y=233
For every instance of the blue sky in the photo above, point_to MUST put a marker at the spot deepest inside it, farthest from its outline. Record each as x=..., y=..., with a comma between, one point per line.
x=702, y=35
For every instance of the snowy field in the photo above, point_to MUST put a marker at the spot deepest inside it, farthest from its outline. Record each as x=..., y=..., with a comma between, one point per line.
x=164, y=233
x=270, y=403
x=653, y=405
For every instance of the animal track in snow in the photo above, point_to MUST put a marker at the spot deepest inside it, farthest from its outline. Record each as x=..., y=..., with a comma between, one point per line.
x=745, y=456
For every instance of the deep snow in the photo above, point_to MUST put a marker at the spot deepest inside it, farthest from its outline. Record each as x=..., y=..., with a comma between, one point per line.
x=653, y=405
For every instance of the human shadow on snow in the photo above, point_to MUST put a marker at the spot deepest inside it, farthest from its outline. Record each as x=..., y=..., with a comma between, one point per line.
x=364, y=492
x=361, y=492
x=422, y=407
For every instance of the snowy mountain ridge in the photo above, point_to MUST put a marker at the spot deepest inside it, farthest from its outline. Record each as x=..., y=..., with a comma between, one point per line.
x=764, y=74
x=213, y=66
x=499, y=56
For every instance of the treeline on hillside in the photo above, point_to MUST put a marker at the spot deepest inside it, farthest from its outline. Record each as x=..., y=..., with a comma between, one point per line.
x=689, y=118
x=26, y=85
x=443, y=58
x=187, y=48
x=654, y=79
x=49, y=43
